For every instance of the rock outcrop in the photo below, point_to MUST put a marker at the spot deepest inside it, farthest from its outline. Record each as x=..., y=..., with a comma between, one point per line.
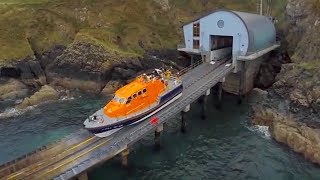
x=27, y=70
x=11, y=88
x=111, y=87
x=46, y=93
x=287, y=130
x=88, y=67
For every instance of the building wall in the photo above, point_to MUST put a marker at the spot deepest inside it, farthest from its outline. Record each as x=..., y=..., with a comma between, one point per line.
x=188, y=35
x=233, y=26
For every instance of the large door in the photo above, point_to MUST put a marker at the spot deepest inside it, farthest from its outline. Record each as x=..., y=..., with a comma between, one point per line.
x=220, y=42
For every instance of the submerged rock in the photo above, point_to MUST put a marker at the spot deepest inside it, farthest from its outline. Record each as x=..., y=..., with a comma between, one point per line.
x=46, y=93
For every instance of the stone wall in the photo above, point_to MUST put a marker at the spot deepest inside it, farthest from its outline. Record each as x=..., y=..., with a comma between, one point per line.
x=232, y=83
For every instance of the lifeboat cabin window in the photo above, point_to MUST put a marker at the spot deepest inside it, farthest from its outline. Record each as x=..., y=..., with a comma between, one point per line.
x=135, y=95
x=119, y=100
x=139, y=93
x=144, y=90
x=129, y=100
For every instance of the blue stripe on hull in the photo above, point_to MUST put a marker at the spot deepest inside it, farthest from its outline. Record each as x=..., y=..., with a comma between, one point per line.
x=164, y=99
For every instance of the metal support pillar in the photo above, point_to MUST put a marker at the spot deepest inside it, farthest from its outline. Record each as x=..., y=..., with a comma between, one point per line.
x=83, y=176
x=183, y=122
x=242, y=82
x=157, y=136
x=192, y=60
x=183, y=119
x=219, y=103
x=124, y=157
x=204, y=104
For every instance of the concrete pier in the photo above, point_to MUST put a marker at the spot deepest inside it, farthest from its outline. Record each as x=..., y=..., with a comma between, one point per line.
x=83, y=176
x=249, y=74
x=124, y=157
x=157, y=136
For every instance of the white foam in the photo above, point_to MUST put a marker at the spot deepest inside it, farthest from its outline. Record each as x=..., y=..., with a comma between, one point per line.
x=66, y=98
x=263, y=130
x=13, y=112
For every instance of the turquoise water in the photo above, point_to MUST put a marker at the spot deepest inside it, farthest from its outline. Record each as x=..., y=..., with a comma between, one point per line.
x=44, y=124
x=223, y=146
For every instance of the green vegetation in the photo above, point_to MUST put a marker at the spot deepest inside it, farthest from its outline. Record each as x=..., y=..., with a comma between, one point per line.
x=127, y=27
x=22, y=1
x=316, y=5
x=310, y=65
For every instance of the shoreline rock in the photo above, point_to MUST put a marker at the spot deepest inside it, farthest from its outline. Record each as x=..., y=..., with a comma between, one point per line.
x=11, y=89
x=287, y=130
x=46, y=93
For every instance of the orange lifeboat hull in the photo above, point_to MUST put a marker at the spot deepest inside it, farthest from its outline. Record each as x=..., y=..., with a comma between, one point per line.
x=134, y=103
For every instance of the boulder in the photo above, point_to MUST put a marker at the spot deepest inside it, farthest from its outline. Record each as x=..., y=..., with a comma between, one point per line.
x=257, y=95
x=46, y=93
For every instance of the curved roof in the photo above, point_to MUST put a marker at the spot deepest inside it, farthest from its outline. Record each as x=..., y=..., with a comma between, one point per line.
x=261, y=30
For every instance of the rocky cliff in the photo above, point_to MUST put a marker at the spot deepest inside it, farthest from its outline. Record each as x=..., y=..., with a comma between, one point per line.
x=292, y=109
x=90, y=45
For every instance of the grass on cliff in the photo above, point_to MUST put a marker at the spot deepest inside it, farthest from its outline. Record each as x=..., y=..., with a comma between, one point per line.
x=311, y=65
x=316, y=6
x=22, y=1
x=127, y=27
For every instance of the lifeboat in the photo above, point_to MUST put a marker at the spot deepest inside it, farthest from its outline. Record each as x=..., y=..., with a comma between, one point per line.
x=135, y=102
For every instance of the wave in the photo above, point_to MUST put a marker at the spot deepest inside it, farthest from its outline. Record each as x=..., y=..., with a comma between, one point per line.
x=13, y=112
x=262, y=130
x=66, y=98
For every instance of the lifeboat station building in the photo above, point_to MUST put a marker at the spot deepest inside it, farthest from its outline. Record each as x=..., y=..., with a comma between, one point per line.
x=243, y=37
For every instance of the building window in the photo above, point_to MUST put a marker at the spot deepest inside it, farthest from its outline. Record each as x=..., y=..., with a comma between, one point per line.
x=196, y=44
x=196, y=29
x=220, y=23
